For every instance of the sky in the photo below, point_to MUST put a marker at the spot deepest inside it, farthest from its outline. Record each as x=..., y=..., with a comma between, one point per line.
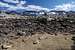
x=37, y=5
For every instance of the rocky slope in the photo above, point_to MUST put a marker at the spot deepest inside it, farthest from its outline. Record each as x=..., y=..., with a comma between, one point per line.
x=15, y=28
x=29, y=26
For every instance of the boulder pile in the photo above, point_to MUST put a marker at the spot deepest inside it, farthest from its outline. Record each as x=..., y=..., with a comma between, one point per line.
x=25, y=27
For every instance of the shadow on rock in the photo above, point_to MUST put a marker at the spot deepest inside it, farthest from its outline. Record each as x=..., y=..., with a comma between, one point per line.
x=73, y=46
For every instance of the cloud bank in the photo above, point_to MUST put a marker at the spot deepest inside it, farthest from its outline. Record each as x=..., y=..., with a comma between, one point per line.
x=20, y=5
x=65, y=7
x=11, y=1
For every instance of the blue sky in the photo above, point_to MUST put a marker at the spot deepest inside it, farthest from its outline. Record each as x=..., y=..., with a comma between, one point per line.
x=36, y=5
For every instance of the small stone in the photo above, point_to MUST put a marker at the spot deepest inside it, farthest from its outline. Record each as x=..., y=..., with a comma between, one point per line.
x=36, y=42
x=66, y=38
x=50, y=19
x=6, y=46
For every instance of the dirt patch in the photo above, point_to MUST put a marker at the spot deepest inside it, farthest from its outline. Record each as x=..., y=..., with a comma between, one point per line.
x=42, y=42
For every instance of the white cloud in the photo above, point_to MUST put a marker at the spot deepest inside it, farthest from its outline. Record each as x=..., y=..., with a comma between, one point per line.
x=12, y=1
x=34, y=7
x=10, y=7
x=3, y=4
x=65, y=7
x=22, y=2
x=20, y=6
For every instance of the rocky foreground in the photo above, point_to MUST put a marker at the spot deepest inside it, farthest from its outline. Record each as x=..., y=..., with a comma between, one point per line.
x=24, y=27
x=20, y=29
